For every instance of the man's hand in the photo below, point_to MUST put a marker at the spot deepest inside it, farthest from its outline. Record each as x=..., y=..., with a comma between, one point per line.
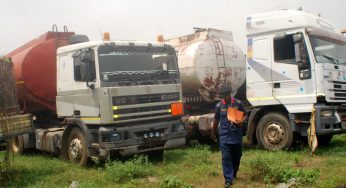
x=237, y=122
x=214, y=125
x=213, y=136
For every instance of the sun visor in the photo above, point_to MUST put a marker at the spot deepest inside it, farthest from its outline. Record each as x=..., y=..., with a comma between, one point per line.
x=327, y=35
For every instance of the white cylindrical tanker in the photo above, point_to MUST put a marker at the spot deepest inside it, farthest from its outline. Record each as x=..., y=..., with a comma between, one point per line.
x=208, y=59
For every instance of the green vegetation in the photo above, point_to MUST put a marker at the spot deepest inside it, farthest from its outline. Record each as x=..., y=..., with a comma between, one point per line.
x=198, y=166
x=272, y=170
x=122, y=172
x=4, y=59
x=173, y=182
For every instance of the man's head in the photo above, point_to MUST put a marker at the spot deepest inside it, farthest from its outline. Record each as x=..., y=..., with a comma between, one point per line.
x=225, y=91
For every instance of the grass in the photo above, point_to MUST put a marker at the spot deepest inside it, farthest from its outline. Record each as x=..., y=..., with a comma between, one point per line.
x=198, y=166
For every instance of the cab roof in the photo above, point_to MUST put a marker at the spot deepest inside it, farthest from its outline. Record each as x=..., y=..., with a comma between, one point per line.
x=285, y=20
x=83, y=45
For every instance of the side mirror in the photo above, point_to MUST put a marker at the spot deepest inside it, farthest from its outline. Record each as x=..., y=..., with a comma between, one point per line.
x=86, y=73
x=299, y=50
x=87, y=56
x=301, y=57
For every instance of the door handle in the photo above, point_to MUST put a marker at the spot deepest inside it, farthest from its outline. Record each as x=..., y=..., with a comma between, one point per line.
x=277, y=85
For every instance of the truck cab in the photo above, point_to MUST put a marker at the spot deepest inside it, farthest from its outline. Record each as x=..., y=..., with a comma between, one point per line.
x=123, y=97
x=296, y=62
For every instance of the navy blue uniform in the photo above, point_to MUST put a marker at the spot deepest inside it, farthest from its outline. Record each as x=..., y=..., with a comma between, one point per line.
x=230, y=137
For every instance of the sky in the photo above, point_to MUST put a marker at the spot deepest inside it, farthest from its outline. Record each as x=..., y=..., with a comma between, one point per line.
x=23, y=20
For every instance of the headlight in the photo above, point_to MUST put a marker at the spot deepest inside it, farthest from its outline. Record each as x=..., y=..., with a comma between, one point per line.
x=327, y=113
x=111, y=136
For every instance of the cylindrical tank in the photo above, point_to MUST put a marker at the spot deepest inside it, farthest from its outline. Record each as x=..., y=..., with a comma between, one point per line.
x=35, y=71
x=207, y=60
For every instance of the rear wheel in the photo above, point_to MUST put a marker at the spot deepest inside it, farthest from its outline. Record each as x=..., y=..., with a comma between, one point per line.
x=274, y=132
x=77, y=147
x=16, y=145
x=324, y=139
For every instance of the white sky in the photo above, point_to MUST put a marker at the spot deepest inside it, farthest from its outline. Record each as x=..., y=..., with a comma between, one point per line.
x=22, y=20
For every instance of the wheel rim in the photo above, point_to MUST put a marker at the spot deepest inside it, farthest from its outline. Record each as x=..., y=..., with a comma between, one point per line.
x=76, y=148
x=274, y=133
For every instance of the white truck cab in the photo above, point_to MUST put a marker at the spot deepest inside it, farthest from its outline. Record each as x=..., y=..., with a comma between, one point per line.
x=296, y=62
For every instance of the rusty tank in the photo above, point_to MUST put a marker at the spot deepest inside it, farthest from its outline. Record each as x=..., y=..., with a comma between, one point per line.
x=35, y=71
x=208, y=59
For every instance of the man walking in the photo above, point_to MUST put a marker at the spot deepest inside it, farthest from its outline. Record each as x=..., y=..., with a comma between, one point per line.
x=230, y=134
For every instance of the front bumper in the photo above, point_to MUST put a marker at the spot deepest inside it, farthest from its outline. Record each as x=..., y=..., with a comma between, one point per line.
x=142, y=138
x=333, y=124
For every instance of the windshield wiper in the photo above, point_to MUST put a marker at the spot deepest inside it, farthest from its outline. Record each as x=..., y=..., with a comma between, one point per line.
x=166, y=73
x=150, y=77
x=334, y=60
x=116, y=76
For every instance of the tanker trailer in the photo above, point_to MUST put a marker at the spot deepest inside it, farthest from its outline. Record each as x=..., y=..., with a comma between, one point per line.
x=35, y=72
x=208, y=59
x=93, y=99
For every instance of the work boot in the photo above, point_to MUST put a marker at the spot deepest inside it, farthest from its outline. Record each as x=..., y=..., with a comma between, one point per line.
x=235, y=175
x=228, y=184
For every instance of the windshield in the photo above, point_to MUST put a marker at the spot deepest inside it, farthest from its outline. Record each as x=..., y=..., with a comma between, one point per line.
x=137, y=65
x=328, y=50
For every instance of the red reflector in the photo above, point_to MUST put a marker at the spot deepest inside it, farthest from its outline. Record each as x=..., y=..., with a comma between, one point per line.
x=177, y=109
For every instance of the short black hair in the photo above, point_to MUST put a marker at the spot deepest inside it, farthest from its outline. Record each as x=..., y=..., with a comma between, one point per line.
x=225, y=90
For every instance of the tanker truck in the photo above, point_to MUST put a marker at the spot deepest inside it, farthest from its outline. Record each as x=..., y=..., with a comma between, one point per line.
x=295, y=74
x=93, y=99
x=208, y=59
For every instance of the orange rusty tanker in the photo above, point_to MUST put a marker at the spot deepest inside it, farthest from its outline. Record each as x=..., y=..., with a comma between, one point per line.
x=35, y=71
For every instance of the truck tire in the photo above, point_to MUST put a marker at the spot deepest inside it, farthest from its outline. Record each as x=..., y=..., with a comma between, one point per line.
x=77, y=147
x=274, y=132
x=324, y=140
x=16, y=145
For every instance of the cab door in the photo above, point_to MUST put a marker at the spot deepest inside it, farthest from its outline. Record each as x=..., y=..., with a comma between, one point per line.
x=296, y=92
x=85, y=98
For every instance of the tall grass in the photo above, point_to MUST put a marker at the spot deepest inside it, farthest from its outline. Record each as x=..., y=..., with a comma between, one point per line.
x=198, y=166
x=121, y=172
x=272, y=170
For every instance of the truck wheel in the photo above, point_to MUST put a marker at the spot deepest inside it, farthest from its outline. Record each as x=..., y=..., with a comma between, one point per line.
x=16, y=145
x=324, y=140
x=77, y=147
x=274, y=132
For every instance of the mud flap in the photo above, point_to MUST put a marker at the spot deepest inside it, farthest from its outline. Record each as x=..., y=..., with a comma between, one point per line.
x=312, y=138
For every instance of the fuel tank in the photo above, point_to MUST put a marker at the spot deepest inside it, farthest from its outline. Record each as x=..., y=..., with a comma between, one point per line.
x=208, y=59
x=35, y=71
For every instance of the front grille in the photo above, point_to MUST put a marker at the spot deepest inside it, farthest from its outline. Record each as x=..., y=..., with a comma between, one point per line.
x=141, y=109
x=141, y=99
x=337, y=92
x=340, y=94
x=140, y=116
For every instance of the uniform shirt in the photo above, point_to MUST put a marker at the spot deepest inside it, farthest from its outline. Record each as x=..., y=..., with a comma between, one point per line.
x=228, y=132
